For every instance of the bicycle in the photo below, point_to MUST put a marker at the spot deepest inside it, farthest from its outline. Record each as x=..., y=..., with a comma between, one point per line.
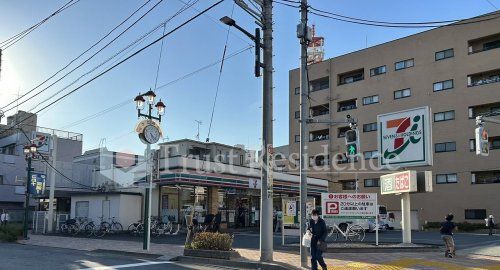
x=136, y=228
x=116, y=226
x=162, y=228
x=98, y=231
x=348, y=231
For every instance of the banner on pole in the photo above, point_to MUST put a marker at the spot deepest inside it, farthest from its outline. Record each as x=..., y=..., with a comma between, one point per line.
x=37, y=184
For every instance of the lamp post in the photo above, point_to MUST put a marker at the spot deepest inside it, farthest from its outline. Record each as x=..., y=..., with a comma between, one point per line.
x=29, y=151
x=263, y=19
x=149, y=134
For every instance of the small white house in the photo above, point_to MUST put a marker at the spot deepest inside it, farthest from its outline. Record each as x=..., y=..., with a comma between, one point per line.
x=125, y=207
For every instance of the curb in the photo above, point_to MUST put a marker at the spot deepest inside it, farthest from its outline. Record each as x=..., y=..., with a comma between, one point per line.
x=127, y=253
x=236, y=264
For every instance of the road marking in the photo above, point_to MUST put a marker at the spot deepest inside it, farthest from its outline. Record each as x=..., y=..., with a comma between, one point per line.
x=112, y=267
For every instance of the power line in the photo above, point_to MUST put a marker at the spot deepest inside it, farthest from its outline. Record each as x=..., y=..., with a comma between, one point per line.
x=127, y=101
x=121, y=62
x=491, y=3
x=89, y=58
x=76, y=58
x=19, y=36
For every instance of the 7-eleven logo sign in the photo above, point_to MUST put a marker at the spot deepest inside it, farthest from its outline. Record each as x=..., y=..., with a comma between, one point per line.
x=405, y=131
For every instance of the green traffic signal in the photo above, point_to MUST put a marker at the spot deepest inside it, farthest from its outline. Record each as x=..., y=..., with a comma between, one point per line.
x=352, y=149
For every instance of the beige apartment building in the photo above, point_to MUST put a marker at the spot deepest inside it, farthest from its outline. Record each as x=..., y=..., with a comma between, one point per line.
x=455, y=70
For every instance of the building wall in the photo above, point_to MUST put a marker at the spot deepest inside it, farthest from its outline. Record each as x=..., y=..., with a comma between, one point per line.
x=125, y=208
x=452, y=197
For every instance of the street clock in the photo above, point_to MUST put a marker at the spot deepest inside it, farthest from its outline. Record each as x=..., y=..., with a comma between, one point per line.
x=149, y=131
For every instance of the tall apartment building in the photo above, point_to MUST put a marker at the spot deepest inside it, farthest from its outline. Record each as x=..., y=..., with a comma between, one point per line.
x=455, y=70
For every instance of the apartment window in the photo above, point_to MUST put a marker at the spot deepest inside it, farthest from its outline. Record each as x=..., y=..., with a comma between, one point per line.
x=1, y=179
x=320, y=110
x=444, y=54
x=472, y=145
x=491, y=45
x=319, y=84
x=297, y=138
x=402, y=93
x=297, y=114
x=370, y=127
x=297, y=90
x=444, y=116
x=319, y=135
x=347, y=105
x=370, y=154
x=82, y=209
x=319, y=160
x=341, y=132
x=492, y=76
x=486, y=177
x=494, y=143
x=372, y=182
x=370, y=100
x=475, y=214
x=377, y=71
x=446, y=178
x=343, y=159
x=445, y=147
x=349, y=185
x=351, y=77
x=403, y=64
x=444, y=85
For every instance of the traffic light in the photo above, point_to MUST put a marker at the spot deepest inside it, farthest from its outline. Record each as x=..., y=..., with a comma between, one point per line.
x=482, y=143
x=352, y=143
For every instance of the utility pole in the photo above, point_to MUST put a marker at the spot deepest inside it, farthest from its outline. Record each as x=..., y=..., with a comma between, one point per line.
x=264, y=19
x=198, y=122
x=50, y=215
x=266, y=220
x=27, y=197
x=304, y=35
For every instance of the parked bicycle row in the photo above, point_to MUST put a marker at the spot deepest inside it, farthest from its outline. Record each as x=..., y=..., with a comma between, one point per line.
x=88, y=227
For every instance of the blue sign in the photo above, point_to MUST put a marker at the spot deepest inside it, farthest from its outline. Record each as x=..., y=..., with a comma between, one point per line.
x=37, y=184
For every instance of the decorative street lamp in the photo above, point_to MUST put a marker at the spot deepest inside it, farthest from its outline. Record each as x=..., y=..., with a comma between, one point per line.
x=29, y=151
x=149, y=132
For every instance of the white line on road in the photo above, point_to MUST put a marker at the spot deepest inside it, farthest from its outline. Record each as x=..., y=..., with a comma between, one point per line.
x=112, y=267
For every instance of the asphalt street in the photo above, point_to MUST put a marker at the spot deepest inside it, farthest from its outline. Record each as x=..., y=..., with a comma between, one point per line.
x=26, y=257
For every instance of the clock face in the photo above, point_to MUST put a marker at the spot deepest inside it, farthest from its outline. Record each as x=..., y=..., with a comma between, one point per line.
x=151, y=134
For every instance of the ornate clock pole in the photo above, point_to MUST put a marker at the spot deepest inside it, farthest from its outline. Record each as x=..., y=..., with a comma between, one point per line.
x=149, y=131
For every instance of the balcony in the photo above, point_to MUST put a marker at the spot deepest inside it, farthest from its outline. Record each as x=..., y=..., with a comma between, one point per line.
x=319, y=110
x=347, y=105
x=484, y=44
x=486, y=177
x=351, y=76
x=319, y=135
x=484, y=109
x=483, y=78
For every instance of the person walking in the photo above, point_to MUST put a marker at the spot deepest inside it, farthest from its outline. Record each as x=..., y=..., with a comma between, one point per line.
x=446, y=230
x=491, y=224
x=4, y=218
x=317, y=227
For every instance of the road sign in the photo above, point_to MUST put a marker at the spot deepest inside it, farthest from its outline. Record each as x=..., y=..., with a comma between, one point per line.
x=291, y=209
x=404, y=138
x=482, y=143
x=348, y=206
x=399, y=182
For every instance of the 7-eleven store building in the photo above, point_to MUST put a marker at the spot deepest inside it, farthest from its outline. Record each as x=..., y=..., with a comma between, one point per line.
x=214, y=187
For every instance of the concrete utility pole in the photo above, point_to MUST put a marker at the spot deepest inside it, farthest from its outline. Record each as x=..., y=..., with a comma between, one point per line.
x=266, y=220
x=304, y=115
x=53, y=173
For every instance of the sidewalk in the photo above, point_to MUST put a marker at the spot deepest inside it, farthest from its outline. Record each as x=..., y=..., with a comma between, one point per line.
x=291, y=259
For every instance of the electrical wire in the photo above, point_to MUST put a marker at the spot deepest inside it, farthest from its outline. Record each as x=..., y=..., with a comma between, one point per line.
x=19, y=36
x=89, y=58
x=219, y=78
x=119, y=63
x=76, y=58
x=127, y=101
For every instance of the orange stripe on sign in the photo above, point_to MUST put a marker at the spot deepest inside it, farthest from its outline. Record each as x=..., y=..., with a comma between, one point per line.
x=395, y=123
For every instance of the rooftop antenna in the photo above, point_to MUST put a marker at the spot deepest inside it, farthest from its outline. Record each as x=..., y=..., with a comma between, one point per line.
x=199, y=123
x=102, y=143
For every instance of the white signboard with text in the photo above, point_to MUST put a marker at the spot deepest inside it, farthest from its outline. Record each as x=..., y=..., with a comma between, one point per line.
x=405, y=138
x=348, y=206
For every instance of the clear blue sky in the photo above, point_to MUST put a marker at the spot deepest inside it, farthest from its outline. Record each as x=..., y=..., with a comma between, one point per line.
x=238, y=113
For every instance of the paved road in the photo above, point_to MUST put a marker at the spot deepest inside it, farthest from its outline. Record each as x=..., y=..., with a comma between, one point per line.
x=251, y=239
x=25, y=257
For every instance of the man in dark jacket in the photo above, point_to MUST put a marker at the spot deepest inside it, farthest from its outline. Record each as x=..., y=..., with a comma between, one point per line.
x=491, y=224
x=317, y=227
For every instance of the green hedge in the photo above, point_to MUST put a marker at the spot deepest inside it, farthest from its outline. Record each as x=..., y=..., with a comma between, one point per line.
x=463, y=226
x=10, y=233
x=212, y=241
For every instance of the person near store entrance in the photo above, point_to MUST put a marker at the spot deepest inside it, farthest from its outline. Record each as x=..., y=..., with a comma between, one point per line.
x=317, y=227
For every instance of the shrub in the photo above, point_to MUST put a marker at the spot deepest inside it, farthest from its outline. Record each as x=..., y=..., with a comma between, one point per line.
x=463, y=226
x=212, y=241
x=10, y=232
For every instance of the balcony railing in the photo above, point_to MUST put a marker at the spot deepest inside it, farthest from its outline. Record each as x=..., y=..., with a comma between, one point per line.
x=493, y=79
